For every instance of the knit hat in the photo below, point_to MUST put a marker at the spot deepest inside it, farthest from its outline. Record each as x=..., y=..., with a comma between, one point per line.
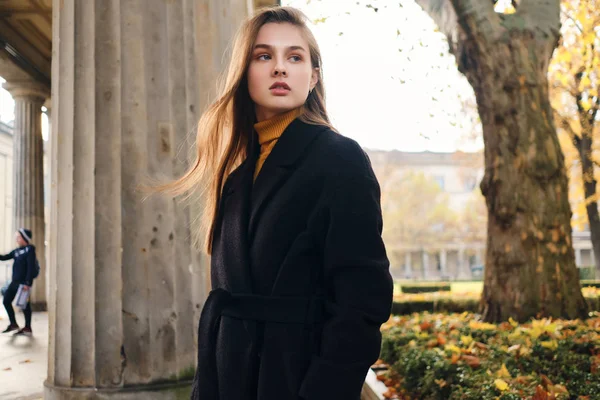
x=25, y=234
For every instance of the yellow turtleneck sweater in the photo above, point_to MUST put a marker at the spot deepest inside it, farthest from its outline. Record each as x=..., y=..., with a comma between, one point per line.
x=269, y=131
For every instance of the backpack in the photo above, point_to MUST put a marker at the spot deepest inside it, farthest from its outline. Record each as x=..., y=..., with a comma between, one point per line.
x=36, y=271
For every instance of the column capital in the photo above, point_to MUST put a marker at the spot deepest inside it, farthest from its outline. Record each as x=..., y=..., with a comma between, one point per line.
x=30, y=89
x=266, y=3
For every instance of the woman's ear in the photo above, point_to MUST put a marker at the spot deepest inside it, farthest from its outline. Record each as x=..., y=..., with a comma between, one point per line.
x=314, y=78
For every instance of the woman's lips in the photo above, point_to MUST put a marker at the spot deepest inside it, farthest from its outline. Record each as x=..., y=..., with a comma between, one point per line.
x=279, y=91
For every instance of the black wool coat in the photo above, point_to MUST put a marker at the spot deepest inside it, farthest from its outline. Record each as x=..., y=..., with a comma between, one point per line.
x=300, y=276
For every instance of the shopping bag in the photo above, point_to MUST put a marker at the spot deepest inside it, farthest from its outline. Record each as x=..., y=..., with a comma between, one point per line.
x=22, y=297
x=4, y=288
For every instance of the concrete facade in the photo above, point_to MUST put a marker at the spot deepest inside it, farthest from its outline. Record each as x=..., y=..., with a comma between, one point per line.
x=129, y=81
x=7, y=233
x=28, y=164
x=127, y=286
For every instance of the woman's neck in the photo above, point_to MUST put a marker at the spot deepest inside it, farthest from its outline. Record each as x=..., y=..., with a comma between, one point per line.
x=265, y=115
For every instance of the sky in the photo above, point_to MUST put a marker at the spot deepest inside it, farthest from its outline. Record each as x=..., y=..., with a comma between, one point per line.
x=389, y=79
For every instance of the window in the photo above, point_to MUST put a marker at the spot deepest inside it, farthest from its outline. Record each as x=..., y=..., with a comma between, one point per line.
x=439, y=180
x=470, y=183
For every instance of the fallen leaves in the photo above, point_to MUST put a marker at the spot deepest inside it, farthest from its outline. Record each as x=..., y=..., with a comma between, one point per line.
x=501, y=385
x=472, y=361
x=443, y=353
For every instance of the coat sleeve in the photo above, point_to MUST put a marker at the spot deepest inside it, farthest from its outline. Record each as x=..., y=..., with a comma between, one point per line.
x=31, y=260
x=9, y=256
x=358, y=282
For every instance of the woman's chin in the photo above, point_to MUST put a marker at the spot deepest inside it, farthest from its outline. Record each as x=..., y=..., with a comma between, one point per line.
x=272, y=110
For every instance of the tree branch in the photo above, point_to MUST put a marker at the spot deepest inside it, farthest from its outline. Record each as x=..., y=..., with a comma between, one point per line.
x=442, y=13
x=575, y=22
x=595, y=107
x=544, y=15
x=566, y=125
x=595, y=104
x=477, y=17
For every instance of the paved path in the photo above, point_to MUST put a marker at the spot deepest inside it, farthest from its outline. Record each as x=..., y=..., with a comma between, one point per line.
x=23, y=360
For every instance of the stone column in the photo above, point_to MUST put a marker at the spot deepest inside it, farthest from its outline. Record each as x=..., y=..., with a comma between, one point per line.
x=407, y=265
x=443, y=264
x=578, y=258
x=265, y=3
x=464, y=272
x=425, y=260
x=28, y=161
x=479, y=256
x=126, y=286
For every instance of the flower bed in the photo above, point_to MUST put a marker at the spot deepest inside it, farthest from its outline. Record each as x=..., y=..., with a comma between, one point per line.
x=454, y=356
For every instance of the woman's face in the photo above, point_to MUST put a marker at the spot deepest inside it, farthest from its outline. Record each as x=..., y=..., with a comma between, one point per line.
x=280, y=73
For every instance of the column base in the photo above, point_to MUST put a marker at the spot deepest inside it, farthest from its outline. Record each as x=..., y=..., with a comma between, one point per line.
x=41, y=306
x=164, y=391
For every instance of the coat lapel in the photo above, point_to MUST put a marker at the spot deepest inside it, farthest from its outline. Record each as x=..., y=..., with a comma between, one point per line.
x=234, y=235
x=279, y=165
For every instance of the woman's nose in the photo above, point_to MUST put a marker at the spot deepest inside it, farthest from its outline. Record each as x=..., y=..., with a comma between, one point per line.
x=279, y=69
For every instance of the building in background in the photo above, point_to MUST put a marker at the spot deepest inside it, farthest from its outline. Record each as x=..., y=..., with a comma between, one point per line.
x=453, y=249
x=7, y=235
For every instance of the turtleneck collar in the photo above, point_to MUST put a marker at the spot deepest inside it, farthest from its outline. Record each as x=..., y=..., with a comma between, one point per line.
x=272, y=128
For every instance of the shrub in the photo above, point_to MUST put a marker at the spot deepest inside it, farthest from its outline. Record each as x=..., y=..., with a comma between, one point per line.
x=425, y=287
x=587, y=273
x=456, y=357
x=459, y=302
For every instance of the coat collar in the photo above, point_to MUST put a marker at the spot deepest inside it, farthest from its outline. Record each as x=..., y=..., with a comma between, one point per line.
x=288, y=150
x=233, y=225
x=244, y=200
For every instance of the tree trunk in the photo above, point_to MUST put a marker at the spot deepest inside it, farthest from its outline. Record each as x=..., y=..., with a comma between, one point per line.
x=530, y=265
x=589, y=188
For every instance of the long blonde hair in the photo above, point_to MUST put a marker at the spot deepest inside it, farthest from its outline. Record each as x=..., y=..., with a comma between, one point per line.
x=225, y=128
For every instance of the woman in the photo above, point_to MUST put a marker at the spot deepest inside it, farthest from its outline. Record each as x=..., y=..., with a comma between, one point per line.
x=23, y=272
x=299, y=271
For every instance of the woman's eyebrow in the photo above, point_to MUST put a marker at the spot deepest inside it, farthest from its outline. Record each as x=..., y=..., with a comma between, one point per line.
x=269, y=47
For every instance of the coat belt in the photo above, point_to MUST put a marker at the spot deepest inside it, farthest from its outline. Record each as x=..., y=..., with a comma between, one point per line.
x=289, y=310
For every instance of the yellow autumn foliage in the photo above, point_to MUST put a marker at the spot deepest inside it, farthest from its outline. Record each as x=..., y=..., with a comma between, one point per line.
x=501, y=384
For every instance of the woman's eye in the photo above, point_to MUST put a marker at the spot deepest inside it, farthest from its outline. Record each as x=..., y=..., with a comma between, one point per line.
x=296, y=58
x=263, y=57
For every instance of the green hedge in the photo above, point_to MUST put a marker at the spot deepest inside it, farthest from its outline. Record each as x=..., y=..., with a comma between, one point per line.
x=449, y=305
x=587, y=273
x=425, y=287
x=590, y=283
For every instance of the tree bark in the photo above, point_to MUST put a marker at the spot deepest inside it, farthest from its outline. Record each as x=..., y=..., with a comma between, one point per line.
x=584, y=147
x=530, y=265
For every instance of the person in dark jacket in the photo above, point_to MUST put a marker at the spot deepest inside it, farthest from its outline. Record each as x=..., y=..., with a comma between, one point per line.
x=23, y=272
x=299, y=272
